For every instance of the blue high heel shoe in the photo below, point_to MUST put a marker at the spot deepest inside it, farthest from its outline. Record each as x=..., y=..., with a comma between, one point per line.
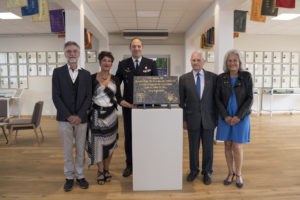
x=239, y=184
x=226, y=182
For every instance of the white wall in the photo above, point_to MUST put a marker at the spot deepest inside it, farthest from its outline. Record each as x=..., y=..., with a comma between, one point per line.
x=272, y=43
x=39, y=87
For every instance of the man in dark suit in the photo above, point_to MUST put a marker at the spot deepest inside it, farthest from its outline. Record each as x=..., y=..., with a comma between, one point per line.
x=197, y=90
x=72, y=95
x=137, y=65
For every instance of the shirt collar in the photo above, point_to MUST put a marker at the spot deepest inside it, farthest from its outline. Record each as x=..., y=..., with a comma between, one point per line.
x=139, y=59
x=78, y=68
x=201, y=72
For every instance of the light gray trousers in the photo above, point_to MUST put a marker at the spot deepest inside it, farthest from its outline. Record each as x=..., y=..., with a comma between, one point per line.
x=68, y=132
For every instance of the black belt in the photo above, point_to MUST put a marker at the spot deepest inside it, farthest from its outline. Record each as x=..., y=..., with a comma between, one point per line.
x=102, y=108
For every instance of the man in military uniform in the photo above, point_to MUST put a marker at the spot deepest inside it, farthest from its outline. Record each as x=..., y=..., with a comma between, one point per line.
x=137, y=65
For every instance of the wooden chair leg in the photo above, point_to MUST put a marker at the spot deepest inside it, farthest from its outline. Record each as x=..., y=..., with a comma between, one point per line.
x=36, y=134
x=16, y=136
x=42, y=134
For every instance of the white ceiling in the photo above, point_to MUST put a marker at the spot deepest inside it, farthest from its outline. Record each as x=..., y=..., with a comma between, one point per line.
x=174, y=15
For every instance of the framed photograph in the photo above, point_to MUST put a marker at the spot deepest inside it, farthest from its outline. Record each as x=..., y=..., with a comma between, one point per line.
x=268, y=69
x=13, y=82
x=31, y=57
x=276, y=81
x=267, y=81
x=3, y=70
x=91, y=56
x=32, y=70
x=50, y=69
x=277, y=57
x=4, y=83
x=51, y=56
x=258, y=69
x=41, y=57
x=277, y=69
x=3, y=58
x=209, y=67
x=295, y=57
x=258, y=81
x=23, y=82
x=243, y=55
x=13, y=70
x=286, y=57
x=250, y=68
x=61, y=57
x=295, y=81
x=286, y=69
x=12, y=58
x=42, y=70
x=22, y=58
x=267, y=56
x=285, y=82
x=295, y=70
x=249, y=56
x=22, y=70
x=258, y=57
x=210, y=56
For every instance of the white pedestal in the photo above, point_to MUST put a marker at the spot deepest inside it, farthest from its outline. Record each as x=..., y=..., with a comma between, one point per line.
x=157, y=149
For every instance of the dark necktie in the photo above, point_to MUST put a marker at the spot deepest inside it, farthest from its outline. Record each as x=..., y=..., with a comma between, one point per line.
x=136, y=64
x=198, y=84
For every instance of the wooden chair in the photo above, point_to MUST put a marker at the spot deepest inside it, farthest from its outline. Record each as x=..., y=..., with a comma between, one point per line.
x=23, y=124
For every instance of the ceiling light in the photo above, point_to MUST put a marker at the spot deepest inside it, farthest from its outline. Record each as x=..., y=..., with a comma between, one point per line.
x=286, y=16
x=9, y=15
x=148, y=13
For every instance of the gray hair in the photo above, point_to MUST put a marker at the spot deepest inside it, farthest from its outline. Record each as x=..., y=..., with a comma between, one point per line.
x=69, y=43
x=234, y=52
x=201, y=52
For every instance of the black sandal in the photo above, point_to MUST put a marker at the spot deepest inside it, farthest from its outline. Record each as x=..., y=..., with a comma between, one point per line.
x=100, y=181
x=107, y=177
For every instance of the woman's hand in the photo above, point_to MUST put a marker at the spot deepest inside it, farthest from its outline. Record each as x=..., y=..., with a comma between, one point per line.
x=125, y=104
x=228, y=120
x=235, y=120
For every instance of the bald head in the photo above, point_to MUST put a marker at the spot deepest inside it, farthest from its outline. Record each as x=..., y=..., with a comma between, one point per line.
x=197, y=61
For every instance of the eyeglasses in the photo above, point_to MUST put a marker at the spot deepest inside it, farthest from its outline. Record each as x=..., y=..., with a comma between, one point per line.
x=70, y=51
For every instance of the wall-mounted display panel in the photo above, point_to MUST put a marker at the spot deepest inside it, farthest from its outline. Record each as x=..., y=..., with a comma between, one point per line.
x=22, y=59
x=61, y=57
x=258, y=69
x=210, y=56
x=276, y=81
x=23, y=82
x=286, y=69
x=285, y=82
x=249, y=56
x=32, y=70
x=41, y=57
x=277, y=69
x=50, y=69
x=258, y=57
x=42, y=70
x=31, y=57
x=3, y=70
x=3, y=58
x=13, y=70
x=22, y=70
x=295, y=70
x=267, y=81
x=286, y=57
x=277, y=57
x=51, y=57
x=295, y=81
x=268, y=69
x=4, y=83
x=295, y=57
x=12, y=58
x=258, y=81
x=13, y=82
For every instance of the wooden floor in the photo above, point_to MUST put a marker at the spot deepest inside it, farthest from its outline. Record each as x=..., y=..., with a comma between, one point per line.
x=271, y=167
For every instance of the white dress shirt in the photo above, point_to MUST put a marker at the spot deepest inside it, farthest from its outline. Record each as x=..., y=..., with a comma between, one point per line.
x=73, y=73
x=202, y=80
x=139, y=61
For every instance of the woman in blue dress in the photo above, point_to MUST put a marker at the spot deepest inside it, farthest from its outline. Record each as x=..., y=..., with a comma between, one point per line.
x=234, y=98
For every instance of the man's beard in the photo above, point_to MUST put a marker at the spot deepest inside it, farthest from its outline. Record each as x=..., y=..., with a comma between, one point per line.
x=73, y=60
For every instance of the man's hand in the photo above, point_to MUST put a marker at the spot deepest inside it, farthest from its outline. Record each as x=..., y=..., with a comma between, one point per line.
x=184, y=125
x=74, y=119
x=125, y=104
